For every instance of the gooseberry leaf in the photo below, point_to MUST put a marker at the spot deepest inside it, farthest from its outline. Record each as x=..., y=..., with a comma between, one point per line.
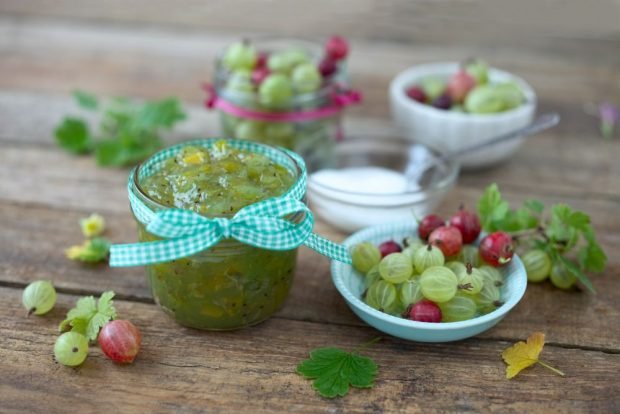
x=534, y=205
x=492, y=208
x=525, y=354
x=335, y=370
x=85, y=99
x=89, y=316
x=128, y=132
x=73, y=135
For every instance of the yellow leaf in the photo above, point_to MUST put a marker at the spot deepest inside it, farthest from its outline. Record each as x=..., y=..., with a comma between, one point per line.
x=74, y=252
x=522, y=355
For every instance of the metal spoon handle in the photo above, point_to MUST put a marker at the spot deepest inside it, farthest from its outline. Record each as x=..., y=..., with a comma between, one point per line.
x=540, y=124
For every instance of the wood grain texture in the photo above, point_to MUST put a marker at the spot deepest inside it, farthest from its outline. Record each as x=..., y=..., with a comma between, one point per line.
x=153, y=62
x=395, y=20
x=151, y=49
x=560, y=162
x=28, y=256
x=188, y=371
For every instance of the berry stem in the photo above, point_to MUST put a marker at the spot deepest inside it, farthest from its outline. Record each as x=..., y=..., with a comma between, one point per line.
x=31, y=311
x=366, y=344
x=557, y=371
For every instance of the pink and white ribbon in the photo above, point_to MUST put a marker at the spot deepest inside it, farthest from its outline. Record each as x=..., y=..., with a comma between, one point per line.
x=340, y=99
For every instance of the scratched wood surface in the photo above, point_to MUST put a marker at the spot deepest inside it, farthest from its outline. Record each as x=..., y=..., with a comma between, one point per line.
x=155, y=49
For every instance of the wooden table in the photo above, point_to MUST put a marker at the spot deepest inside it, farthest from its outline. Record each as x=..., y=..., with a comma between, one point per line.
x=152, y=49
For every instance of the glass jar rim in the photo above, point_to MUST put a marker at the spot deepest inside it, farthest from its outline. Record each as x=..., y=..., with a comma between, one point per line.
x=136, y=188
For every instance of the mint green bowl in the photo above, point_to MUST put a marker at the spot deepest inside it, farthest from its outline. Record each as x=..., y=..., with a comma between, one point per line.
x=350, y=284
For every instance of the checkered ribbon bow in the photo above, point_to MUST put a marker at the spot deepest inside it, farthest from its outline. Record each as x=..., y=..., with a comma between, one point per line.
x=185, y=233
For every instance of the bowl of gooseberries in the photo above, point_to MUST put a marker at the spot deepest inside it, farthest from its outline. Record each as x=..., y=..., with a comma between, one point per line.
x=454, y=105
x=431, y=281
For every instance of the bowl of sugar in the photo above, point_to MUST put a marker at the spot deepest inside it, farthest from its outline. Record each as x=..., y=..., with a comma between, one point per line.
x=376, y=181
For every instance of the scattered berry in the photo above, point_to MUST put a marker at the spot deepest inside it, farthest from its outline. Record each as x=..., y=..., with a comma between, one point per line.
x=261, y=60
x=71, y=349
x=120, y=341
x=496, y=248
x=389, y=247
x=259, y=75
x=328, y=67
x=39, y=297
x=424, y=311
x=448, y=239
x=428, y=224
x=467, y=223
x=416, y=93
x=459, y=85
x=336, y=48
x=443, y=102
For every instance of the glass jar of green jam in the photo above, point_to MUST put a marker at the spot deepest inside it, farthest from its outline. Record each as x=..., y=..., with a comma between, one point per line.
x=230, y=285
x=278, y=76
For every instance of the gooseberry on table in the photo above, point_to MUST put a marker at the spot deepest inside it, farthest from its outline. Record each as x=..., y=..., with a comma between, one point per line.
x=120, y=341
x=71, y=349
x=39, y=297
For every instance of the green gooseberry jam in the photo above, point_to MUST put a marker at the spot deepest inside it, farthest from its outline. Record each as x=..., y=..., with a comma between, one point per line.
x=216, y=181
x=231, y=285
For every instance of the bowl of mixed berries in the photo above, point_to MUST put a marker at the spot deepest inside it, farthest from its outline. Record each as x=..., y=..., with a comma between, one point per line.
x=454, y=105
x=432, y=281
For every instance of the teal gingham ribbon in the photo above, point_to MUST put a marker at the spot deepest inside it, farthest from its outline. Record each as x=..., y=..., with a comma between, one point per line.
x=261, y=224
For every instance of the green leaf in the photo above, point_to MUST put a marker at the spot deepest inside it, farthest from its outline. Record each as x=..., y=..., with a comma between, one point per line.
x=85, y=308
x=535, y=205
x=73, y=136
x=110, y=153
x=164, y=114
x=334, y=370
x=95, y=324
x=592, y=257
x=95, y=250
x=105, y=306
x=85, y=99
x=572, y=268
x=578, y=220
x=88, y=316
x=492, y=208
x=79, y=325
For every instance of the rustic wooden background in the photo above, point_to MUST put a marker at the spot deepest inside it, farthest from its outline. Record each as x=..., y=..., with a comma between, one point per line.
x=568, y=50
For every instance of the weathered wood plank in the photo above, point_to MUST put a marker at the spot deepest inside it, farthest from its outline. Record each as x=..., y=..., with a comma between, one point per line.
x=189, y=371
x=150, y=62
x=33, y=240
x=402, y=20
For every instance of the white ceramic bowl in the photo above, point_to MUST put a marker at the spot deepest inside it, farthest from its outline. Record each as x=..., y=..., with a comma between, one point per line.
x=350, y=284
x=451, y=131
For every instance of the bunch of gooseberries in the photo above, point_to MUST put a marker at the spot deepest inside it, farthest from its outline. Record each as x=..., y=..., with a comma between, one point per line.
x=437, y=275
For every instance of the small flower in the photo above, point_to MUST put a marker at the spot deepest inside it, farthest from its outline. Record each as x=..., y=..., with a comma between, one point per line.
x=93, y=225
x=610, y=115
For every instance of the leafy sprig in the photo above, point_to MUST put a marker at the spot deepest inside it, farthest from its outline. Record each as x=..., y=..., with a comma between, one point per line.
x=127, y=134
x=565, y=234
x=89, y=315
